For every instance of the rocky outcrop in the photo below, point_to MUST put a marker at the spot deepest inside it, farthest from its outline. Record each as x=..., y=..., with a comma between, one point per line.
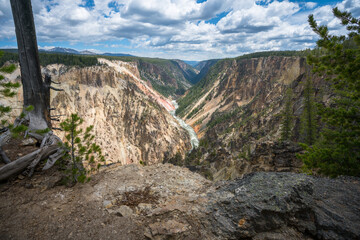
x=163, y=201
x=286, y=206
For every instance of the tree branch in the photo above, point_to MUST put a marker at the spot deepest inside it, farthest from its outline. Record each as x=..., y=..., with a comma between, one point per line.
x=56, y=89
x=4, y=157
x=55, y=82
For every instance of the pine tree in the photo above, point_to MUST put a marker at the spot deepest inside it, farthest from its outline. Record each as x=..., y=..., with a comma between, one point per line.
x=338, y=150
x=80, y=148
x=287, y=117
x=308, y=132
x=6, y=91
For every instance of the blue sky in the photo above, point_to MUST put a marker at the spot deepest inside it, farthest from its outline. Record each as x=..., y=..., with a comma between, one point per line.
x=182, y=29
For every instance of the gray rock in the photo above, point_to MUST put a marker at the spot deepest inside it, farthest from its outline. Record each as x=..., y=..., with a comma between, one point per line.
x=124, y=211
x=144, y=208
x=167, y=228
x=28, y=142
x=286, y=205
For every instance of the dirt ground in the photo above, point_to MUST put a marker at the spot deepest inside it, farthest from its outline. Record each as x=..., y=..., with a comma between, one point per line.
x=121, y=202
x=15, y=150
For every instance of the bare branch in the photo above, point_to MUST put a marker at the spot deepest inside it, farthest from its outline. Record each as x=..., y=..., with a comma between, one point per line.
x=55, y=82
x=4, y=157
x=56, y=89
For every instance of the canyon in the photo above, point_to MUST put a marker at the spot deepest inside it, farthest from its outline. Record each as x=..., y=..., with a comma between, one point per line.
x=132, y=122
x=235, y=109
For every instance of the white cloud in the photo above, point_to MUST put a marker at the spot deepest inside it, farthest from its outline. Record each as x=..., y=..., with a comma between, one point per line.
x=310, y=5
x=179, y=28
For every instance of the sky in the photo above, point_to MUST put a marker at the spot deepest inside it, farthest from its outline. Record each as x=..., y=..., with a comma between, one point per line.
x=177, y=29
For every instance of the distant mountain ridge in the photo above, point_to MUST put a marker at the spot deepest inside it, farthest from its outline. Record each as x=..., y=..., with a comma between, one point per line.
x=191, y=63
x=84, y=52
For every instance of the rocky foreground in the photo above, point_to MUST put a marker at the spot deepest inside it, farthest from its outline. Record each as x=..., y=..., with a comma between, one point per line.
x=169, y=202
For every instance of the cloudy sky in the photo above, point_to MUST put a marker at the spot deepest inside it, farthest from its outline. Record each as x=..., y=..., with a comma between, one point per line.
x=183, y=29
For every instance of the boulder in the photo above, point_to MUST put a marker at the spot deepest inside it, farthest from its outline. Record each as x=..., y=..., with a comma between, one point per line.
x=286, y=206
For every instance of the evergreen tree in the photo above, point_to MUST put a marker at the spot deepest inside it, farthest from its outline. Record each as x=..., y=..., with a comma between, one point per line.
x=7, y=90
x=80, y=148
x=308, y=130
x=287, y=117
x=338, y=150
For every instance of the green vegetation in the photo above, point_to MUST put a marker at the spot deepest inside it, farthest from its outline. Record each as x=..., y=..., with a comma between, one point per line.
x=309, y=126
x=79, y=147
x=275, y=53
x=200, y=89
x=222, y=117
x=7, y=90
x=176, y=160
x=67, y=59
x=196, y=110
x=338, y=150
x=287, y=117
x=163, y=89
x=53, y=58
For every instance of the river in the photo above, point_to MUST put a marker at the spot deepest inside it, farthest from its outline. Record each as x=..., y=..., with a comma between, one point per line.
x=193, y=137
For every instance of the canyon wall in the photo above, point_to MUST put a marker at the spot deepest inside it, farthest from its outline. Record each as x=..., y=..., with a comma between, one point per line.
x=131, y=120
x=236, y=110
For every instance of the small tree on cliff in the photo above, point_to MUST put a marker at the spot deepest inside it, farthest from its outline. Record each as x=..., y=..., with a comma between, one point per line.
x=79, y=147
x=338, y=151
x=287, y=117
x=309, y=126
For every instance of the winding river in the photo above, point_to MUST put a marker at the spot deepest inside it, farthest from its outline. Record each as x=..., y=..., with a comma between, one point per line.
x=193, y=137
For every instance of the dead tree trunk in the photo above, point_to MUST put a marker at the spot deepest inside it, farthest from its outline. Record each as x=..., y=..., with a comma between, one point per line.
x=36, y=92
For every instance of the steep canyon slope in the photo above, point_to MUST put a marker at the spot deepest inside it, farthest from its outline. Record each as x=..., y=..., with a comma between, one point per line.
x=168, y=77
x=131, y=120
x=236, y=110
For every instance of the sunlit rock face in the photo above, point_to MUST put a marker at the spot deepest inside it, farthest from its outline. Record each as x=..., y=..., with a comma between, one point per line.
x=238, y=117
x=131, y=120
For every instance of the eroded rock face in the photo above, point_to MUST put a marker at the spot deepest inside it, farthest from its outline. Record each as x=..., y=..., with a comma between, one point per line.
x=129, y=125
x=131, y=120
x=238, y=117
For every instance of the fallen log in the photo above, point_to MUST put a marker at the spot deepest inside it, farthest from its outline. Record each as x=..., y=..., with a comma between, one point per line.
x=49, y=140
x=20, y=164
x=49, y=148
x=53, y=158
x=3, y=156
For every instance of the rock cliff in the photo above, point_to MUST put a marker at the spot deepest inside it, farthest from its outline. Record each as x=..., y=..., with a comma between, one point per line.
x=131, y=120
x=236, y=111
x=169, y=77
